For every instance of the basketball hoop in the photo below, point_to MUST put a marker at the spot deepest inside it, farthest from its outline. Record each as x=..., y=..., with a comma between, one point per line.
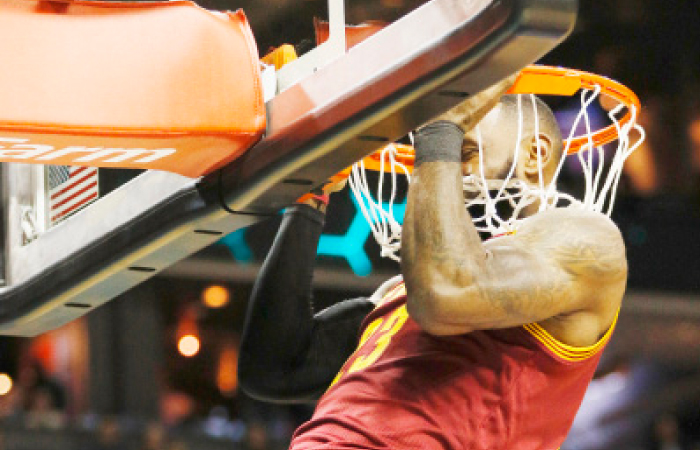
x=546, y=80
x=587, y=146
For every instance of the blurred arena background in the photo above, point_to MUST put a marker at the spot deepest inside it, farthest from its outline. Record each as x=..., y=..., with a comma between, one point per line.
x=156, y=368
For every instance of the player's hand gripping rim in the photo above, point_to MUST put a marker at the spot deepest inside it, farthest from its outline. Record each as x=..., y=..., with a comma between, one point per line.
x=441, y=139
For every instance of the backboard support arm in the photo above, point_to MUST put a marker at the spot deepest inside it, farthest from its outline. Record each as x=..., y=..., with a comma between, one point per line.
x=321, y=55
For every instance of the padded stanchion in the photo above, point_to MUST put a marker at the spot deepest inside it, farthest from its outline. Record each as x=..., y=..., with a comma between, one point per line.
x=354, y=34
x=157, y=85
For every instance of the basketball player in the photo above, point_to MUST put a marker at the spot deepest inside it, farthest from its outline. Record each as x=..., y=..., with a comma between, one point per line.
x=481, y=345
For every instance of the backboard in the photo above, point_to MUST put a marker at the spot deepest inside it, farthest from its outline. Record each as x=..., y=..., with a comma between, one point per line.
x=322, y=122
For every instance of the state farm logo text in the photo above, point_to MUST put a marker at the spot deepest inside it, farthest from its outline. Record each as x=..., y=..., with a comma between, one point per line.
x=21, y=149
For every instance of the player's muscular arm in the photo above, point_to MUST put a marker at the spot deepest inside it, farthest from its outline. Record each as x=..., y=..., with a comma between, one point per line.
x=288, y=353
x=560, y=262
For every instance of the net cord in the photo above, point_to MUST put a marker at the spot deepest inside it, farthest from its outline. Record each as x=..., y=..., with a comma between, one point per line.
x=383, y=224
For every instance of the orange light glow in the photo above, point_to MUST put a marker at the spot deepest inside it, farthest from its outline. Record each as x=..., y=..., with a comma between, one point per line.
x=5, y=384
x=216, y=296
x=188, y=345
x=227, y=372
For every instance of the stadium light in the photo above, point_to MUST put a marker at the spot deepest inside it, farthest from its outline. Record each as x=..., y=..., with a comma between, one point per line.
x=216, y=296
x=188, y=345
x=5, y=384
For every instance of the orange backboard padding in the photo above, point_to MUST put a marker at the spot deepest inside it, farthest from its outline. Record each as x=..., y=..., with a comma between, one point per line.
x=354, y=34
x=157, y=85
x=280, y=56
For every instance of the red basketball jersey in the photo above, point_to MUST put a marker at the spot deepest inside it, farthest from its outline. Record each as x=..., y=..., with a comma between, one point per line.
x=511, y=389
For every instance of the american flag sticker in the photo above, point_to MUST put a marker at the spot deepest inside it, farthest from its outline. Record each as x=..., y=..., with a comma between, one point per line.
x=70, y=189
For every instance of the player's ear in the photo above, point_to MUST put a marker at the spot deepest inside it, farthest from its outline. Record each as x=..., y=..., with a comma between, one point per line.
x=541, y=144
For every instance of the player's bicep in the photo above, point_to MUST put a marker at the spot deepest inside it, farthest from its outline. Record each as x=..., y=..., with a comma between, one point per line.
x=510, y=286
x=520, y=285
x=539, y=274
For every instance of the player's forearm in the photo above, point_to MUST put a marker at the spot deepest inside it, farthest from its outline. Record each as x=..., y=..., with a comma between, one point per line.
x=441, y=250
x=280, y=317
x=288, y=353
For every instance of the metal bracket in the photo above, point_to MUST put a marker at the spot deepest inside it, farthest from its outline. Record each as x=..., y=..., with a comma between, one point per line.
x=320, y=56
x=30, y=230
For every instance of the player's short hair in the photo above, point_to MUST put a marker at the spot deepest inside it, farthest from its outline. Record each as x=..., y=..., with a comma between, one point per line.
x=547, y=122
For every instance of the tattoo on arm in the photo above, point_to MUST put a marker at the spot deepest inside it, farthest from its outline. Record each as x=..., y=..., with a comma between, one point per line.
x=580, y=249
x=525, y=301
x=538, y=272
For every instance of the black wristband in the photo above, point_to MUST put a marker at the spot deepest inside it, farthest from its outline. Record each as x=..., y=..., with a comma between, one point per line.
x=439, y=141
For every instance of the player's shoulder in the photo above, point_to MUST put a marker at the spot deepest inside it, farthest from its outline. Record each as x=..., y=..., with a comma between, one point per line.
x=564, y=223
x=575, y=216
x=579, y=238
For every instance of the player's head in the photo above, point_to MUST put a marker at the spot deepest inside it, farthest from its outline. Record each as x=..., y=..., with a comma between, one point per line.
x=499, y=131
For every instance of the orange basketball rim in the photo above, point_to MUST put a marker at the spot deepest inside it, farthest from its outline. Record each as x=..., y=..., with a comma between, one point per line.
x=544, y=80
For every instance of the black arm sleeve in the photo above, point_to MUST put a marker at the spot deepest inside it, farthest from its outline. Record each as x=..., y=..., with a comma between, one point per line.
x=288, y=353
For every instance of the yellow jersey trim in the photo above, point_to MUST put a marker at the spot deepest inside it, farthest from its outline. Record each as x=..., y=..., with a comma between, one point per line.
x=565, y=351
x=396, y=291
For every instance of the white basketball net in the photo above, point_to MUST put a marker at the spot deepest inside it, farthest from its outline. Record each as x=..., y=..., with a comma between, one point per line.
x=601, y=180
